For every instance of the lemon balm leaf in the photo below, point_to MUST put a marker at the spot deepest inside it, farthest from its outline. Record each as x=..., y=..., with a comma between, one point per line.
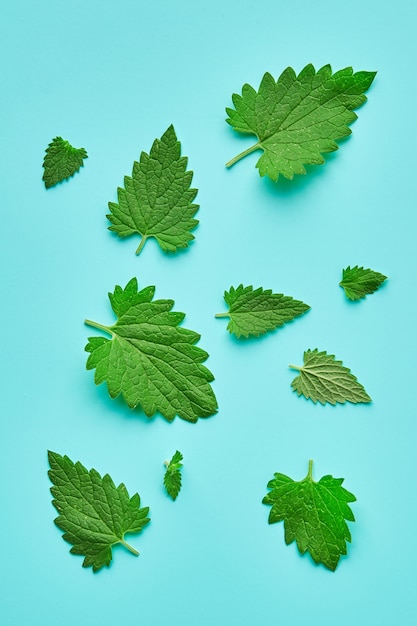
x=323, y=379
x=157, y=200
x=172, y=477
x=61, y=161
x=149, y=359
x=298, y=118
x=359, y=282
x=94, y=514
x=314, y=514
x=253, y=312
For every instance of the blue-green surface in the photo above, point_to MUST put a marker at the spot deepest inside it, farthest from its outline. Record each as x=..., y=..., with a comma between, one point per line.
x=110, y=77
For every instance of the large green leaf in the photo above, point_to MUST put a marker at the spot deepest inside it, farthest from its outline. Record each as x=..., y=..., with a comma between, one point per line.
x=313, y=513
x=297, y=119
x=157, y=200
x=150, y=360
x=94, y=514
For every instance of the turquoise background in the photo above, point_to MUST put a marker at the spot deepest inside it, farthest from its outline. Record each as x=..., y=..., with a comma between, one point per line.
x=111, y=77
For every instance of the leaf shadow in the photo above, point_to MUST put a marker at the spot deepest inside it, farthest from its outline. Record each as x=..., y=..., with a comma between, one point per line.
x=284, y=187
x=252, y=340
x=117, y=407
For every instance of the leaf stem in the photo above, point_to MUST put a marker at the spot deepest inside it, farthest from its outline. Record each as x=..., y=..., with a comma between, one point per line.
x=105, y=329
x=222, y=315
x=142, y=243
x=257, y=146
x=295, y=367
x=310, y=470
x=129, y=547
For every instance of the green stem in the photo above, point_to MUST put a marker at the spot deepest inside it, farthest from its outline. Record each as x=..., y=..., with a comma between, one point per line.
x=142, y=243
x=129, y=547
x=222, y=315
x=295, y=367
x=106, y=329
x=237, y=158
x=310, y=470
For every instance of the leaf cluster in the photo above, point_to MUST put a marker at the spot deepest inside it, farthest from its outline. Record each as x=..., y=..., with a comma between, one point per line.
x=153, y=362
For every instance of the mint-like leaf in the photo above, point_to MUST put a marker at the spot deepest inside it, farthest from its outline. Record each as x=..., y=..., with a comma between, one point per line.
x=297, y=119
x=358, y=282
x=253, y=312
x=313, y=513
x=157, y=200
x=150, y=360
x=61, y=161
x=323, y=379
x=94, y=514
x=172, y=478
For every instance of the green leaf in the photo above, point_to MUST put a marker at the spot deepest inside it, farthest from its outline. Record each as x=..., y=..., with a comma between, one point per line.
x=157, y=200
x=358, y=282
x=256, y=311
x=314, y=514
x=172, y=478
x=61, y=161
x=93, y=513
x=324, y=379
x=298, y=118
x=149, y=359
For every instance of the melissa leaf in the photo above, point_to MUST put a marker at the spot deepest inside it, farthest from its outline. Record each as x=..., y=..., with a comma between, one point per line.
x=253, y=312
x=157, y=200
x=323, y=379
x=314, y=514
x=94, y=514
x=172, y=478
x=297, y=119
x=149, y=359
x=358, y=282
x=61, y=161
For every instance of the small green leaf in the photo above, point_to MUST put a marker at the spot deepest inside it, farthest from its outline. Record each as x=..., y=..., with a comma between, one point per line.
x=298, y=118
x=94, y=514
x=313, y=513
x=323, y=379
x=150, y=360
x=61, y=161
x=358, y=282
x=157, y=201
x=253, y=312
x=172, y=478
